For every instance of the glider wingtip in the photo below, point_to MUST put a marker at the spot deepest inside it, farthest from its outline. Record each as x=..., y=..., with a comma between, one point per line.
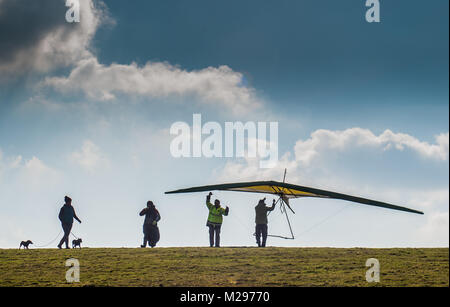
x=417, y=212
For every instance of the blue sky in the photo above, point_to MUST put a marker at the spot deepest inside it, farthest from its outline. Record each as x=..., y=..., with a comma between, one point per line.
x=85, y=111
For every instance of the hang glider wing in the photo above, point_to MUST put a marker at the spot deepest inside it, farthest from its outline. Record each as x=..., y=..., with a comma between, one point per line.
x=290, y=191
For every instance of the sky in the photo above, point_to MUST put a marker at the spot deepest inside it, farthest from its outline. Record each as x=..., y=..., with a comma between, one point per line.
x=86, y=110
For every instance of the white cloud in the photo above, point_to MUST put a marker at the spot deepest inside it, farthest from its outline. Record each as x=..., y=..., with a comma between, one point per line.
x=15, y=163
x=218, y=86
x=30, y=174
x=36, y=173
x=9, y=162
x=323, y=140
x=248, y=169
x=90, y=157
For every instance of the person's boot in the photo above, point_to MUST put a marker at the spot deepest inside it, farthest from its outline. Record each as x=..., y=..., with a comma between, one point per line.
x=144, y=244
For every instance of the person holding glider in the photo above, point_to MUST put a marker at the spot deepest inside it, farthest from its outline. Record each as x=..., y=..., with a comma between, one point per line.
x=215, y=218
x=150, y=227
x=285, y=192
x=66, y=216
x=261, y=221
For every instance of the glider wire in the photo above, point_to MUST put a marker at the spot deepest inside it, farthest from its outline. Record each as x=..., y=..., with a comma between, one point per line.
x=283, y=211
x=324, y=220
x=239, y=220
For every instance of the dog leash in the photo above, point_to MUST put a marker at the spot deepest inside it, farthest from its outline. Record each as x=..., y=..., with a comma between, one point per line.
x=50, y=241
x=74, y=235
x=57, y=236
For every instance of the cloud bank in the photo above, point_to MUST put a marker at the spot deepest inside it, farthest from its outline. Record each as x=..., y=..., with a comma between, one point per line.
x=322, y=141
x=217, y=86
x=35, y=37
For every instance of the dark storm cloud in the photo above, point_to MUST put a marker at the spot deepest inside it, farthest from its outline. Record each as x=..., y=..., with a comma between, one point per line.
x=34, y=35
x=24, y=23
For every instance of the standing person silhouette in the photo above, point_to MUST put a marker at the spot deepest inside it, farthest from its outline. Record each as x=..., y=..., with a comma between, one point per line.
x=261, y=221
x=66, y=216
x=215, y=218
x=150, y=227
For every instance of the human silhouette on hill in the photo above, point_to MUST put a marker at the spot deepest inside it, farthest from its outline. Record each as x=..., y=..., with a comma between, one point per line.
x=150, y=227
x=66, y=216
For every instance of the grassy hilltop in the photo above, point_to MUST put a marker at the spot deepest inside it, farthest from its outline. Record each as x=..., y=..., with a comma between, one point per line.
x=240, y=266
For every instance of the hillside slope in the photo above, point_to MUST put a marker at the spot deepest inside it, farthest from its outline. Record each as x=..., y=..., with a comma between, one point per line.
x=238, y=266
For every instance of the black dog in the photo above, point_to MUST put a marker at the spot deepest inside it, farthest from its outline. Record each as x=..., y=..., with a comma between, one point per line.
x=76, y=243
x=25, y=244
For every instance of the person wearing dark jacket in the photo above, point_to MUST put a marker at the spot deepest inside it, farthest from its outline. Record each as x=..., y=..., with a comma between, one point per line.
x=150, y=227
x=261, y=221
x=66, y=216
x=215, y=219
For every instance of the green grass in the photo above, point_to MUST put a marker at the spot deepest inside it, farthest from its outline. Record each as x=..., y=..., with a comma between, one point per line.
x=225, y=267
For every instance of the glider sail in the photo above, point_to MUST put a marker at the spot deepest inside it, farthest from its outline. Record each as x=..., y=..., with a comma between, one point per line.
x=286, y=191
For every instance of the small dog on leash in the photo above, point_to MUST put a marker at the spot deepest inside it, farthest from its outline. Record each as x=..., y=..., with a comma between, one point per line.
x=76, y=243
x=25, y=244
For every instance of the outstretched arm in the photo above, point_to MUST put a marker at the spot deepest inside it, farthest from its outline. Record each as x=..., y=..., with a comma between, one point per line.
x=271, y=207
x=208, y=200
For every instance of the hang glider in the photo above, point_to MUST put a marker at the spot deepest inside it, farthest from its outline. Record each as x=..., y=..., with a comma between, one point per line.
x=286, y=191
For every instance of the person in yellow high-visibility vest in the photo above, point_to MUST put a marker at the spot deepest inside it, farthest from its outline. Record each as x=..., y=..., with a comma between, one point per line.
x=215, y=217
